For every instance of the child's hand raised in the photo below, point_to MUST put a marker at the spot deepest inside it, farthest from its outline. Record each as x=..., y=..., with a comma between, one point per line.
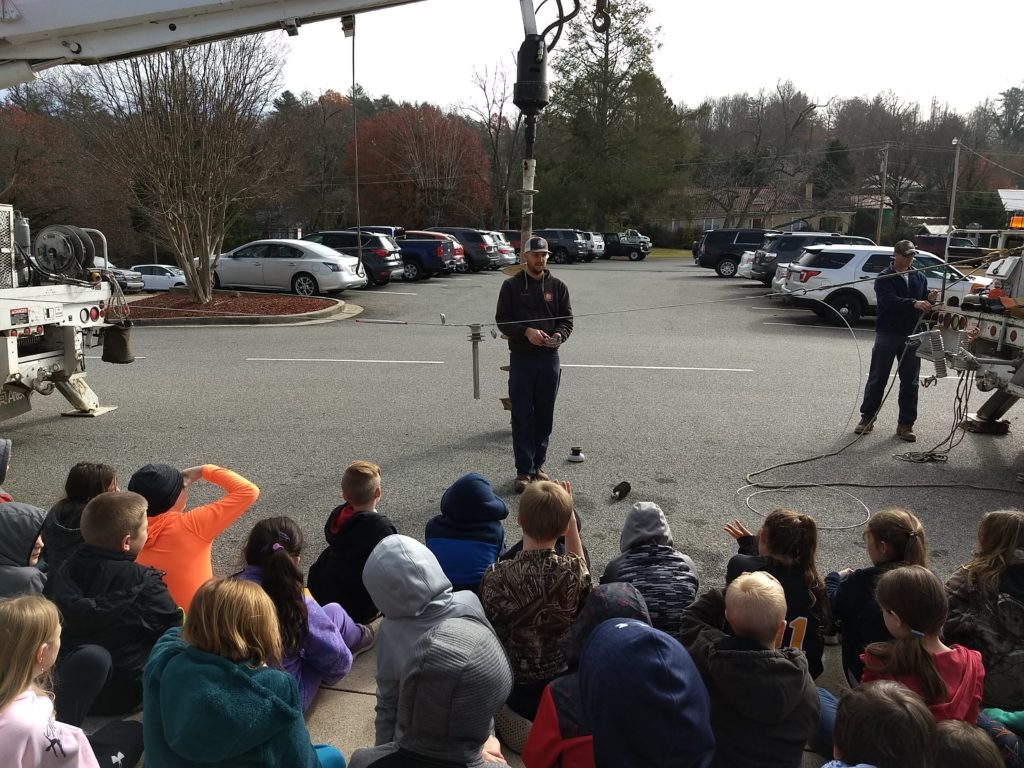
x=190, y=475
x=737, y=529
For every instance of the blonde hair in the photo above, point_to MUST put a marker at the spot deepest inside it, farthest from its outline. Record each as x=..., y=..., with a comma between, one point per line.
x=236, y=619
x=756, y=603
x=902, y=532
x=111, y=516
x=360, y=482
x=1000, y=534
x=545, y=509
x=26, y=623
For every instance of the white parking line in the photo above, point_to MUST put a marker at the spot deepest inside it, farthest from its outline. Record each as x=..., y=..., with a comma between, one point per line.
x=826, y=327
x=400, y=293
x=659, y=368
x=338, y=360
x=100, y=357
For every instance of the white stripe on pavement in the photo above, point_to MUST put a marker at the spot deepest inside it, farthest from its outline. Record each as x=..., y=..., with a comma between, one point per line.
x=100, y=357
x=659, y=368
x=338, y=360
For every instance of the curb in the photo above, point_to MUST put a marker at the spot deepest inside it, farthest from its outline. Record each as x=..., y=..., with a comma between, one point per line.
x=340, y=307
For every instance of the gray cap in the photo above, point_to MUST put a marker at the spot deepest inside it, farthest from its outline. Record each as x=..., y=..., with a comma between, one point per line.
x=904, y=248
x=538, y=244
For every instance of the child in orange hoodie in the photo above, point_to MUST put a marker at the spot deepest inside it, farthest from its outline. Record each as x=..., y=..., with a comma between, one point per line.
x=180, y=543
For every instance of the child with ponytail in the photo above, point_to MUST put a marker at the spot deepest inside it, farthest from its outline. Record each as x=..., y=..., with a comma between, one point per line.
x=894, y=537
x=986, y=608
x=786, y=547
x=30, y=735
x=318, y=643
x=948, y=678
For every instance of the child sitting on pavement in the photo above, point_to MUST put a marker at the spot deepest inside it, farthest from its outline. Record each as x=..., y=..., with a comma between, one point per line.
x=405, y=580
x=885, y=725
x=532, y=599
x=108, y=599
x=318, y=643
x=786, y=547
x=62, y=532
x=468, y=535
x=894, y=537
x=764, y=705
x=962, y=745
x=20, y=546
x=181, y=543
x=664, y=576
x=352, y=531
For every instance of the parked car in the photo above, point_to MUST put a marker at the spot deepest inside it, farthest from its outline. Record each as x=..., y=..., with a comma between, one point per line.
x=426, y=257
x=960, y=248
x=480, y=248
x=822, y=272
x=506, y=253
x=393, y=232
x=301, y=266
x=785, y=247
x=129, y=280
x=381, y=257
x=722, y=249
x=514, y=238
x=595, y=245
x=566, y=245
x=616, y=244
x=458, y=251
x=745, y=265
x=160, y=277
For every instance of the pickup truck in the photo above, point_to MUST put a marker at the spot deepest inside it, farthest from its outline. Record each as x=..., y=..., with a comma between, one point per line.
x=630, y=243
x=423, y=258
x=960, y=248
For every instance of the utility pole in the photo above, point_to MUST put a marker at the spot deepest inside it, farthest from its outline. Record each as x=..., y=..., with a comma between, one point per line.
x=884, y=172
x=952, y=197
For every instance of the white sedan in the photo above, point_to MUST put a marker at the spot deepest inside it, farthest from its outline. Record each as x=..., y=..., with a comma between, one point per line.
x=299, y=266
x=160, y=277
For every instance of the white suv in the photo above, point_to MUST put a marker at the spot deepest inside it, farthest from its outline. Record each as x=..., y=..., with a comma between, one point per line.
x=843, y=276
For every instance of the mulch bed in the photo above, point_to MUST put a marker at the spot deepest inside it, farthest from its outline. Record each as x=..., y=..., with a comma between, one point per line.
x=225, y=304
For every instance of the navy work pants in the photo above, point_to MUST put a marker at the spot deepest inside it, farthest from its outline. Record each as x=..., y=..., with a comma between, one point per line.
x=532, y=387
x=888, y=348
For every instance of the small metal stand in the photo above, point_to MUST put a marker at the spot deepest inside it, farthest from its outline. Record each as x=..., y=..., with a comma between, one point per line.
x=475, y=337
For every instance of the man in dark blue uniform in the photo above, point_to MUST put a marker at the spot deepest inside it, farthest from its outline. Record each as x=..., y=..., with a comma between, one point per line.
x=535, y=314
x=903, y=297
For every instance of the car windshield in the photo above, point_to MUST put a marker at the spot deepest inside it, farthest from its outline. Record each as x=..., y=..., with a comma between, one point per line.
x=389, y=241
x=488, y=240
x=933, y=267
x=176, y=270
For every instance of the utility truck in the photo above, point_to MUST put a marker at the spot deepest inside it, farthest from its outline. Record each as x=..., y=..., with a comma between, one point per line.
x=53, y=306
x=983, y=334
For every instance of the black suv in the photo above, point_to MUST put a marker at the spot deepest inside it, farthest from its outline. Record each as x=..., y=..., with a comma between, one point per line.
x=566, y=245
x=382, y=258
x=480, y=249
x=784, y=247
x=722, y=249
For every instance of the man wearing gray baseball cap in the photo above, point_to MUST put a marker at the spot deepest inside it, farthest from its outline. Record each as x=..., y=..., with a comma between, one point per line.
x=535, y=313
x=903, y=296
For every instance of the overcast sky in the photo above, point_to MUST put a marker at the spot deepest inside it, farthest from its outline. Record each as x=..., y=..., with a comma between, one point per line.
x=428, y=51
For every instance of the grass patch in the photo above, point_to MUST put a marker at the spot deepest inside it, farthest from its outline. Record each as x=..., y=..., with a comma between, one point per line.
x=670, y=253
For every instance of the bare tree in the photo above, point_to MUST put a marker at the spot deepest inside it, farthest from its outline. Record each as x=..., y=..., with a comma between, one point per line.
x=503, y=137
x=185, y=131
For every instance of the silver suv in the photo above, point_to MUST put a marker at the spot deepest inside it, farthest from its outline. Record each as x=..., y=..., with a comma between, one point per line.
x=839, y=280
x=595, y=245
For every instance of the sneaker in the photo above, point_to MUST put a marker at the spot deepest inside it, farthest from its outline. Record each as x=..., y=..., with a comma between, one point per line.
x=366, y=642
x=521, y=482
x=540, y=474
x=906, y=432
x=864, y=426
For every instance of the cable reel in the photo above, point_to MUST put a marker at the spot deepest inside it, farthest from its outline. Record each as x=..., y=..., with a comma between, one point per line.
x=61, y=249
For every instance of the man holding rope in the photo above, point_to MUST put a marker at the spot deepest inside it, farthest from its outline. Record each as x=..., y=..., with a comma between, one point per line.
x=903, y=296
x=535, y=314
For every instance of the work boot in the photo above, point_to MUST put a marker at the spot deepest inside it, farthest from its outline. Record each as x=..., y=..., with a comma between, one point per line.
x=864, y=426
x=540, y=474
x=906, y=432
x=521, y=482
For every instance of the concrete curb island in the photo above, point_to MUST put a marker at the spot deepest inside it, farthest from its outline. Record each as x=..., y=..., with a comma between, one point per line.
x=339, y=307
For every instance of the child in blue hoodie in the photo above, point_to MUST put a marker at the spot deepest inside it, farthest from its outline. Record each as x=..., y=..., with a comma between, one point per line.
x=468, y=535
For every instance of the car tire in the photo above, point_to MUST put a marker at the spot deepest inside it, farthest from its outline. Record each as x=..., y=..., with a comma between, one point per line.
x=559, y=255
x=634, y=255
x=848, y=306
x=304, y=284
x=605, y=256
x=588, y=259
x=727, y=267
x=412, y=271
x=475, y=267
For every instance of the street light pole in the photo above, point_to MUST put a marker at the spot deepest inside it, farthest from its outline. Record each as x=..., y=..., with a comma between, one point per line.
x=884, y=172
x=952, y=197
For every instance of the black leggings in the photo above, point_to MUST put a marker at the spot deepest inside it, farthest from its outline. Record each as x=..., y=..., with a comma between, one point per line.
x=118, y=743
x=79, y=677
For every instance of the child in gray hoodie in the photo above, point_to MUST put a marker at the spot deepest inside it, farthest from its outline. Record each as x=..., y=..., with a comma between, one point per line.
x=662, y=574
